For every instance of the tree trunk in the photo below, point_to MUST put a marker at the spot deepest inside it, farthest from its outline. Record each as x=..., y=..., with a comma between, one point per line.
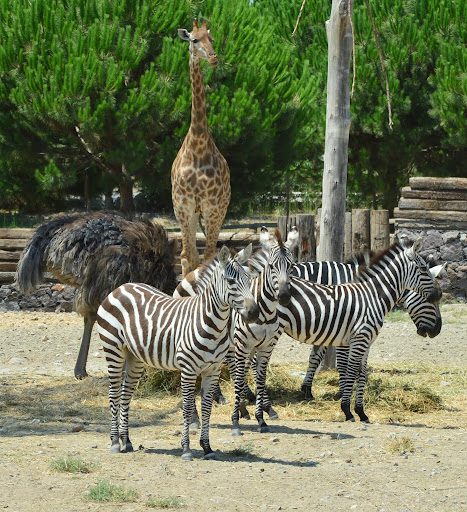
x=332, y=223
x=127, y=204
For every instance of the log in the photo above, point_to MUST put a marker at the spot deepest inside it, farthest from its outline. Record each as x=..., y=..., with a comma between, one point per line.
x=13, y=243
x=408, y=193
x=438, y=183
x=9, y=255
x=432, y=204
x=438, y=216
x=6, y=266
x=307, y=241
x=421, y=225
x=23, y=233
x=360, y=230
x=379, y=230
x=7, y=277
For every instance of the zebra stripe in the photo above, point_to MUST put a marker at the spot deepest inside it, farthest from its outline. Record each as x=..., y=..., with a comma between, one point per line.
x=143, y=326
x=352, y=314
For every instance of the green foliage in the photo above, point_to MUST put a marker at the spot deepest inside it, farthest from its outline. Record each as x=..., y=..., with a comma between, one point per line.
x=71, y=464
x=100, y=92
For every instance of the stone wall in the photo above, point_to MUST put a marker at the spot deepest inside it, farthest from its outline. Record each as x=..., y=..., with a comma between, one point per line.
x=48, y=297
x=448, y=247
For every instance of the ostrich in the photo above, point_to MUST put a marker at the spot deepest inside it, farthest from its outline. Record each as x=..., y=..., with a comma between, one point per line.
x=97, y=253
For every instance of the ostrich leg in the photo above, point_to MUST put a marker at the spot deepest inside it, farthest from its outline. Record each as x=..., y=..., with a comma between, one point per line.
x=80, y=367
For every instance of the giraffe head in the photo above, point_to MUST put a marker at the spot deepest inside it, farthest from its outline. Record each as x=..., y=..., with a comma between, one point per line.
x=200, y=42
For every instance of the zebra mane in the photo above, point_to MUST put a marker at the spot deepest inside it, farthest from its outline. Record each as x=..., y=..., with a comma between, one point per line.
x=378, y=262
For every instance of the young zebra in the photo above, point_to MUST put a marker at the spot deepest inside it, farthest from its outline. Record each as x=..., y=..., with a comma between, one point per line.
x=426, y=316
x=141, y=325
x=352, y=314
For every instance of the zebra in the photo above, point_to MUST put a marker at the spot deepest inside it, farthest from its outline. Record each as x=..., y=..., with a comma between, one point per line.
x=426, y=316
x=352, y=314
x=141, y=325
x=270, y=288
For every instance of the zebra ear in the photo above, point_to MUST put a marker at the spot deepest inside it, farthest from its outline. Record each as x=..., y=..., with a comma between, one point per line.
x=224, y=255
x=436, y=271
x=244, y=254
x=292, y=239
x=411, y=251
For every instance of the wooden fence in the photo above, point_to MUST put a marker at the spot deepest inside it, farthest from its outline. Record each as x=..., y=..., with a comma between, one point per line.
x=364, y=230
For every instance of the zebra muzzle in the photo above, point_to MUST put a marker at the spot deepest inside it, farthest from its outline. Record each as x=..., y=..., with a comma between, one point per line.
x=251, y=311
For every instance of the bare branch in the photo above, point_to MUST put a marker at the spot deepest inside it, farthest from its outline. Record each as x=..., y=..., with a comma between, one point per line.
x=299, y=16
x=381, y=58
x=82, y=144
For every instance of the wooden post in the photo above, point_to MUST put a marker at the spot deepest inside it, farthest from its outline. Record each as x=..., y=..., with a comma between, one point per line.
x=348, y=236
x=318, y=222
x=285, y=226
x=379, y=229
x=360, y=231
x=307, y=244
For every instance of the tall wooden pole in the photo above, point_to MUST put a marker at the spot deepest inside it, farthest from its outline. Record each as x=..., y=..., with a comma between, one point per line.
x=332, y=222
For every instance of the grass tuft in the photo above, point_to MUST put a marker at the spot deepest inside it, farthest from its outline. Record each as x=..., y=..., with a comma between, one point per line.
x=71, y=464
x=169, y=502
x=246, y=450
x=401, y=445
x=105, y=492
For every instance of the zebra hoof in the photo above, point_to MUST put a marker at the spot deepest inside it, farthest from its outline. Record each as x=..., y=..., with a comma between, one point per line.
x=350, y=419
x=194, y=426
x=272, y=414
x=115, y=448
x=127, y=448
x=210, y=456
x=263, y=429
x=187, y=456
x=236, y=432
x=221, y=400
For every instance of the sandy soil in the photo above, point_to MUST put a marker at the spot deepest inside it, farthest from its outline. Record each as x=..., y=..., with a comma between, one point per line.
x=299, y=465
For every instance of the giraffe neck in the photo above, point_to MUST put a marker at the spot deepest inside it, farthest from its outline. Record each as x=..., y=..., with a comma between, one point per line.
x=199, y=124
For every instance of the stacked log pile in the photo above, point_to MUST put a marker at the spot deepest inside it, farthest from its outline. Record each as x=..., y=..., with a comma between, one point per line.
x=432, y=203
x=436, y=209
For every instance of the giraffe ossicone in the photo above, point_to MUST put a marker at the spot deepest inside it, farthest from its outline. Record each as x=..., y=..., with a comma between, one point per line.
x=200, y=174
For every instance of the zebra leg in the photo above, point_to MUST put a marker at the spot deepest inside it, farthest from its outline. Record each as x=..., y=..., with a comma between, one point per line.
x=188, y=384
x=316, y=356
x=361, y=381
x=239, y=387
x=230, y=360
x=262, y=360
x=356, y=353
x=115, y=361
x=208, y=384
x=134, y=370
x=342, y=358
x=80, y=366
x=250, y=363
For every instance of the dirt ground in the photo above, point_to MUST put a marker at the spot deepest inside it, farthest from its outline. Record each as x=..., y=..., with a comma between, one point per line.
x=301, y=464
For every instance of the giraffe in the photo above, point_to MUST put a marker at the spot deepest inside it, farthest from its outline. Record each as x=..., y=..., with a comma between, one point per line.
x=200, y=174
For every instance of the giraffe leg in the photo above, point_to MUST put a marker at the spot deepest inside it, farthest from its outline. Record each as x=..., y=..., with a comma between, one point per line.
x=188, y=221
x=213, y=218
